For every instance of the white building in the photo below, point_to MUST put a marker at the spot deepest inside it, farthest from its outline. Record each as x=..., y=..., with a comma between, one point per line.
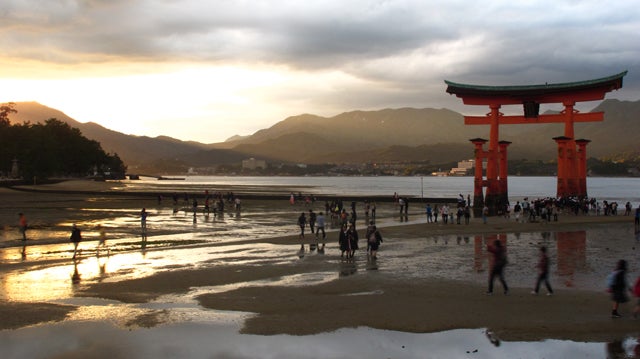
x=463, y=169
x=252, y=164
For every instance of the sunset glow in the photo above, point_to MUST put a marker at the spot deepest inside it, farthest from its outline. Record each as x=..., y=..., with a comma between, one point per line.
x=201, y=72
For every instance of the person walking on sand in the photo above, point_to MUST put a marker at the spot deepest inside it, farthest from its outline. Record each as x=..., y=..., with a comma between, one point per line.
x=370, y=229
x=543, y=272
x=320, y=226
x=312, y=220
x=76, y=238
x=143, y=220
x=352, y=238
x=497, y=266
x=302, y=223
x=373, y=211
x=22, y=224
x=618, y=287
x=374, y=238
x=343, y=242
x=102, y=240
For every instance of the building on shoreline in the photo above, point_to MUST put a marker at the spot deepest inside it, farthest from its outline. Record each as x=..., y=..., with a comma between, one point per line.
x=464, y=168
x=252, y=164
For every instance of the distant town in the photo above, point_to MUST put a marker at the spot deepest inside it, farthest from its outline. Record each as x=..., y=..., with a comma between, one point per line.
x=253, y=166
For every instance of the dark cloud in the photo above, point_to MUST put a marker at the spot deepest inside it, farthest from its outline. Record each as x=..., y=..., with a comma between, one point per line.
x=401, y=44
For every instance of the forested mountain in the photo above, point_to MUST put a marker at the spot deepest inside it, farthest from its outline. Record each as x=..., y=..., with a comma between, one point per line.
x=132, y=149
x=52, y=149
x=388, y=135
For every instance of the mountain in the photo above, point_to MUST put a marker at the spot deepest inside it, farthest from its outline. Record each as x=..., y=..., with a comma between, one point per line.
x=359, y=136
x=427, y=135
x=135, y=151
x=387, y=135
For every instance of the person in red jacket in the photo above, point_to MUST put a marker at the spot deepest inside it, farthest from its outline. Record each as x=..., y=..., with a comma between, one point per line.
x=23, y=225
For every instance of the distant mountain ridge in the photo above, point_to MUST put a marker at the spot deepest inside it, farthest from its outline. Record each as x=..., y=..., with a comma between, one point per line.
x=132, y=149
x=387, y=135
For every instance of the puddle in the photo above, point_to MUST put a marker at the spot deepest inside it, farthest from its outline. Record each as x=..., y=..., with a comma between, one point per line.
x=199, y=338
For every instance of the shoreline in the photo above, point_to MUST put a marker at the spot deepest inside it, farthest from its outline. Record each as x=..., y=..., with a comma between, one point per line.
x=242, y=192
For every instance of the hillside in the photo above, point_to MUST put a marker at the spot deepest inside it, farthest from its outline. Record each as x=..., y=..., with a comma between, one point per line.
x=427, y=134
x=388, y=135
x=135, y=151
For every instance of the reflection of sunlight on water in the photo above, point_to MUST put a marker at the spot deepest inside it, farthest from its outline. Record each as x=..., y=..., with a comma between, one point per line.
x=292, y=280
x=38, y=285
x=578, y=260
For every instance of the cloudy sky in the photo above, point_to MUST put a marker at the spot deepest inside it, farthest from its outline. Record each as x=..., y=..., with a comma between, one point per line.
x=206, y=70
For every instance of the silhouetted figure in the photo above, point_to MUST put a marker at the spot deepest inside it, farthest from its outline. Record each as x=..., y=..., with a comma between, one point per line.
x=76, y=238
x=618, y=287
x=22, y=224
x=497, y=267
x=543, y=272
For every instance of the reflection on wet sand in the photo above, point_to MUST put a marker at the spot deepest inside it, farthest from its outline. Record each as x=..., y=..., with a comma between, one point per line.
x=197, y=337
x=572, y=256
x=75, y=277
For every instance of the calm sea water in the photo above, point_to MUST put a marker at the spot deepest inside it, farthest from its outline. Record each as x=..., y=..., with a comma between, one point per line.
x=602, y=188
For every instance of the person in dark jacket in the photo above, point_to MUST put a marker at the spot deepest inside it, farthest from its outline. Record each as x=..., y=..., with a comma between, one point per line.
x=76, y=238
x=497, y=267
x=618, y=287
x=543, y=272
x=374, y=238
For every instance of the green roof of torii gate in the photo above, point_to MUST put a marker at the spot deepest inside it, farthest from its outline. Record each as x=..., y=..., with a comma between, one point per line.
x=601, y=85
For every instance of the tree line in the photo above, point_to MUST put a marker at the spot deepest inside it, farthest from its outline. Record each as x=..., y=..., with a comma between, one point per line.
x=52, y=149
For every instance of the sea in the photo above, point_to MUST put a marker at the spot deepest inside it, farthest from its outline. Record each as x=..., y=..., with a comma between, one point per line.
x=617, y=189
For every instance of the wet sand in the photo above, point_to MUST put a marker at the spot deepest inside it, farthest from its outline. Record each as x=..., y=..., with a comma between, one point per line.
x=377, y=299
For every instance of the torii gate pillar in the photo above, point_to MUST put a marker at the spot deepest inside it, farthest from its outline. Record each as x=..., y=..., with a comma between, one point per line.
x=496, y=182
x=565, y=157
x=582, y=167
x=478, y=183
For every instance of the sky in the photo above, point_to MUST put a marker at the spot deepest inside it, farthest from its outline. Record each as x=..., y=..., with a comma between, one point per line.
x=207, y=70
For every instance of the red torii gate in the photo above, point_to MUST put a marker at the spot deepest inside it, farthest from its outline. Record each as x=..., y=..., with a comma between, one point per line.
x=571, y=159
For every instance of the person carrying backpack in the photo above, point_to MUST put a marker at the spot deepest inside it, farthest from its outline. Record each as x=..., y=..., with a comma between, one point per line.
x=374, y=238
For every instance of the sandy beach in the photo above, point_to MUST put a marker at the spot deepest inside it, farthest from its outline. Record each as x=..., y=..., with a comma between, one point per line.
x=358, y=293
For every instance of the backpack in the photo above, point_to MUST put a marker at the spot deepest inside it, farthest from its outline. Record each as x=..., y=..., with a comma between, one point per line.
x=372, y=238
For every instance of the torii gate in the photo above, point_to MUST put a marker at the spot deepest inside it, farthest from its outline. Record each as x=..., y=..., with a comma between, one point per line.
x=571, y=159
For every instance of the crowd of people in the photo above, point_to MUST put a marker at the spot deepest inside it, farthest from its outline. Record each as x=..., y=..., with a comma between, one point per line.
x=549, y=209
x=343, y=218
x=213, y=202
